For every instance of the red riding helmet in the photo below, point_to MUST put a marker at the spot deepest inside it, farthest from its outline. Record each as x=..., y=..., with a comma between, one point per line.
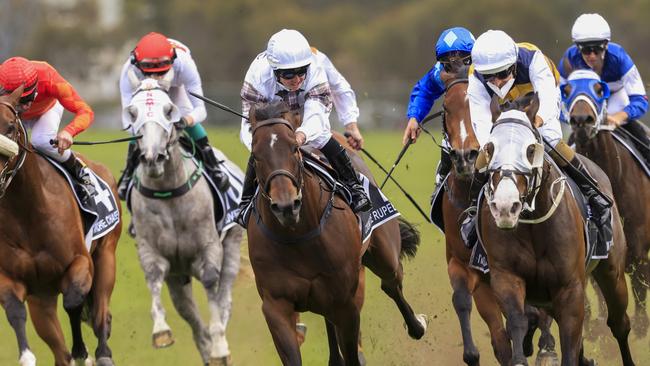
x=153, y=53
x=15, y=72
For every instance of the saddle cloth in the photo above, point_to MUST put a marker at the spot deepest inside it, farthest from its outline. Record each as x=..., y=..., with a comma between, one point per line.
x=226, y=204
x=382, y=209
x=101, y=213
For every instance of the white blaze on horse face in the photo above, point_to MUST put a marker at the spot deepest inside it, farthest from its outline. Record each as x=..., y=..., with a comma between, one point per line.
x=274, y=139
x=505, y=205
x=463, y=132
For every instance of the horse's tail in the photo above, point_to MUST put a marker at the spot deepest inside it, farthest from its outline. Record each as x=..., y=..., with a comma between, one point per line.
x=410, y=238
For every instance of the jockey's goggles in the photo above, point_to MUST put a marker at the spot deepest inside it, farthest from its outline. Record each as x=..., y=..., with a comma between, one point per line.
x=29, y=97
x=449, y=62
x=500, y=75
x=289, y=74
x=587, y=49
x=155, y=65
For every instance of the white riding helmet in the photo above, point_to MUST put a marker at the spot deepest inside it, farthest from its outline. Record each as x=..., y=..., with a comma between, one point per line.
x=590, y=27
x=494, y=51
x=288, y=49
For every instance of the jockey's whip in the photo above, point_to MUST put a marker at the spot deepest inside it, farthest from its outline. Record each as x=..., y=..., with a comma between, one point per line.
x=406, y=146
x=55, y=142
x=408, y=196
x=217, y=104
x=589, y=179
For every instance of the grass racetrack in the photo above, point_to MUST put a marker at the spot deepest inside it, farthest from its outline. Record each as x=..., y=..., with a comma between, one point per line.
x=385, y=340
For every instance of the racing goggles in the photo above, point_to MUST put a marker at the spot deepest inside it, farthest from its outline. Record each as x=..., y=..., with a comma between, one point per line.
x=451, y=63
x=289, y=74
x=29, y=97
x=587, y=49
x=155, y=65
x=499, y=75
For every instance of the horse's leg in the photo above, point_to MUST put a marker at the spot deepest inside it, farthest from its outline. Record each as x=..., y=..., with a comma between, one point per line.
x=42, y=310
x=488, y=308
x=79, y=351
x=611, y=280
x=640, y=278
x=180, y=291
x=359, y=298
x=383, y=260
x=229, y=269
x=568, y=307
x=347, y=322
x=546, y=354
x=335, y=357
x=17, y=317
x=462, y=301
x=279, y=315
x=103, y=284
x=510, y=291
x=155, y=269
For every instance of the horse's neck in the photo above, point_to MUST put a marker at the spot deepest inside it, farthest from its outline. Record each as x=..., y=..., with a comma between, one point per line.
x=175, y=172
x=26, y=188
x=457, y=190
x=603, y=151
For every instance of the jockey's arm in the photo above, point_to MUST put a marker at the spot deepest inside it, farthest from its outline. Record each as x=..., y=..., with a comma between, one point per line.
x=546, y=87
x=126, y=94
x=249, y=97
x=71, y=101
x=316, y=111
x=189, y=77
x=635, y=90
x=425, y=92
x=479, y=109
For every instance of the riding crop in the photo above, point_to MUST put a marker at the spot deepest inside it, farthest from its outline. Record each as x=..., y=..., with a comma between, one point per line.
x=55, y=142
x=217, y=104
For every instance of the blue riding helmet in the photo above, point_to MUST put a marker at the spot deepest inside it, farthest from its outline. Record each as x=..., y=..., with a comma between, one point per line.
x=456, y=39
x=585, y=85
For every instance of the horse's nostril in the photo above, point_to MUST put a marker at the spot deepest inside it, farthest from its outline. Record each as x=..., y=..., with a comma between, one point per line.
x=493, y=206
x=142, y=158
x=160, y=158
x=296, y=204
x=515, y=207
x=275, y=207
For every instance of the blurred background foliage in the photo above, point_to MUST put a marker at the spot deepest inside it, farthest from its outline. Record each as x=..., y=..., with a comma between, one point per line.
x=381, y=46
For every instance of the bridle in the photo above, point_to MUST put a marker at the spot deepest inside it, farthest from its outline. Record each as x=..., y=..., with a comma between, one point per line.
x=444, y=114
x=296, y=179
x=8, y=172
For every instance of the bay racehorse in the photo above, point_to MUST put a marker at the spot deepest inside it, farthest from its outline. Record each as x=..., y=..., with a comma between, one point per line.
x=586, y=98
x=43, y=251
x=540, y=257
x=174, y=219
x=466, y=282
x=305, y=245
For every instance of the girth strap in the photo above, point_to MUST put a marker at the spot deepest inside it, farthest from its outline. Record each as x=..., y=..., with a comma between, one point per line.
x=176, y=192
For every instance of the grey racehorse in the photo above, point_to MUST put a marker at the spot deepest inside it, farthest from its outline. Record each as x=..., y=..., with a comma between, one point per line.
x=177, y=238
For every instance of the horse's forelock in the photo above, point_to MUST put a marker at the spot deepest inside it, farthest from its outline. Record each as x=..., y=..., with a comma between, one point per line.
x=270, y=110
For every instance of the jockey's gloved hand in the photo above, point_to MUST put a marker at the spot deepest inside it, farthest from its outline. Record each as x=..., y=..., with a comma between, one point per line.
x=181, y=123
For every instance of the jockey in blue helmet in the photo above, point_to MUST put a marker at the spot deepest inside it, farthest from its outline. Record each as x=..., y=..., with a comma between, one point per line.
x=454, y=46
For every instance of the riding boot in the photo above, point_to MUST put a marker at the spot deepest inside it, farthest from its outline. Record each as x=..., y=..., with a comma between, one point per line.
x=444, y=166
x=80, y=172
x=132, y=158
x=643, y=144
x=468, y=226
x=248, y=191
x=340, y=161
x=601, y=214
x=211, y=164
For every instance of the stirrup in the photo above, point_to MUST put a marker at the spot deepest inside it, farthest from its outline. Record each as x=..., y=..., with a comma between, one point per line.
x=360, y=201
x=468, y=227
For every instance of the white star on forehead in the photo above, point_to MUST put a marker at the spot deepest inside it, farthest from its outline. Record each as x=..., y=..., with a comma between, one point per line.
x=450, y=38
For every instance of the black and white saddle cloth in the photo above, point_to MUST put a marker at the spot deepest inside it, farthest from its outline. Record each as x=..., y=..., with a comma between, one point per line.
x=596, y=249
x=631, y=147
x=382, y=209
x=100, y=214
x=226, y=204
x=435, y=214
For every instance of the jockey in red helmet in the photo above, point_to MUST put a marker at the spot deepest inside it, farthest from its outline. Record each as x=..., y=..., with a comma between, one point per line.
x=155, y=56
x=46, y=94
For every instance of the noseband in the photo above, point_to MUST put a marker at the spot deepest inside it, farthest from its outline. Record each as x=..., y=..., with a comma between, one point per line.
x=296, y=180
x=8, y=173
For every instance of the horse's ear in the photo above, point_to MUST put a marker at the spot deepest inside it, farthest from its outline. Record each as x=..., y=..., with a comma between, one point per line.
x=533, y=107
x=133, y=78
x=489, y=151
x=133, y=112
x=14, y=97
x=495, y=108
x=251, y=116
x=598, y=89
x=566, y=90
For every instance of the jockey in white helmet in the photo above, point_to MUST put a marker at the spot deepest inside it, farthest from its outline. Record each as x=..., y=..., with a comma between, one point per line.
x=287, y=71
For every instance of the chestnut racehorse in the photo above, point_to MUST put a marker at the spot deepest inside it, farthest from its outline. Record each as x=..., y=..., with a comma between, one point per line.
x=42, y=250
x=542, y=259
x=593, y=139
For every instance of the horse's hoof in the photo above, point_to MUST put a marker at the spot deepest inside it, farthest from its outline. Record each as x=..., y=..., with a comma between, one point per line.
x=417, y=333
x=27, y=358
x=547, y=358
x=163, y=339
x=105, y=361
x=220, y=361
x=88, y=361
x=301, y=333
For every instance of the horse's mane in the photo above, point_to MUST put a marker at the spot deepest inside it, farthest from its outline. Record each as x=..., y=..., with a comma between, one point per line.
x=264, y=111
x=520, y=103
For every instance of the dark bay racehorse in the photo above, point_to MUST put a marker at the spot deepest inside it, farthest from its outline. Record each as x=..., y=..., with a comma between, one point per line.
x=319, y=245
x=466, y=282
x=593, y=138
x=542, y=259
x=42, y=249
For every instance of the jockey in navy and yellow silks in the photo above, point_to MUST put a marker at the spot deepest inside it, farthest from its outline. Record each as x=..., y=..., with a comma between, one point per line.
x=509, y=70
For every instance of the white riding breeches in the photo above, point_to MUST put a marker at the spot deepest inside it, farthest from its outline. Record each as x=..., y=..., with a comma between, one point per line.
x=44, y=129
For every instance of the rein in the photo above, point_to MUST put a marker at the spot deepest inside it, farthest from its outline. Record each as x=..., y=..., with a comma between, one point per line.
x=7, y=174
